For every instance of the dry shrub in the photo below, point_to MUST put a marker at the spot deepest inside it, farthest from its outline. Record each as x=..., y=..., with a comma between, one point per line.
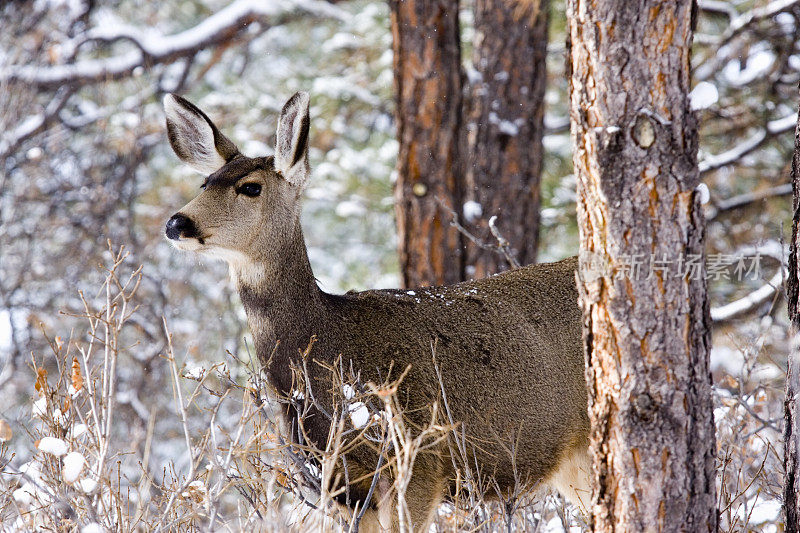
x=242, y=465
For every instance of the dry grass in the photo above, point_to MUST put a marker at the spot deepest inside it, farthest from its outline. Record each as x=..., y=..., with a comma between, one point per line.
x=237, y=468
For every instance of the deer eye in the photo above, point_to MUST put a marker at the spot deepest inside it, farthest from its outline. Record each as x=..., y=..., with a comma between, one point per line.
x=249, y=189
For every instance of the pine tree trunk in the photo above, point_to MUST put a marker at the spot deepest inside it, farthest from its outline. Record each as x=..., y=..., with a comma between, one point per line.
x=505, y=129
x=642, y=279
x=791, y=488
x=428, y=85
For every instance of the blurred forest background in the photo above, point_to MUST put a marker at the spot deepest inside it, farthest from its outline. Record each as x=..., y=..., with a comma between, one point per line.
x=84, y=162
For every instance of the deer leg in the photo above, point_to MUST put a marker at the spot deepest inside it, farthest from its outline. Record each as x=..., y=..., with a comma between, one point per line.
x=423, y=495
x=572, y=478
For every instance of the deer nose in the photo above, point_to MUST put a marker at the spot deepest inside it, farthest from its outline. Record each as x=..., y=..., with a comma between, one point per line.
x=180, y=226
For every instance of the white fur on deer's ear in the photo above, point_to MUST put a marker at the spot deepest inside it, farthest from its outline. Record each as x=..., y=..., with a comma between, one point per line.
x=291, y=146
x=194, y=138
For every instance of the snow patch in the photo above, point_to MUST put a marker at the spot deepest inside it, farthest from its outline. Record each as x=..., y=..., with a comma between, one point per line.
x=785, y=21
x=349, y=208
x=39, y=409
x=24, y=494
x=53, y=446
x=5, y=331
x=73, y=466
x=359, y=414
x=740, y=72
x=77, y=430
x=473, y=76
x=87, y=485
x=506, y=126
x=763, y=512
x=703, y=193
x=472, y=210
x=703, y=96
x=196, y=373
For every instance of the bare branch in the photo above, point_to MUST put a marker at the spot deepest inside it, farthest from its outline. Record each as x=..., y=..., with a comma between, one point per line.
x=502, y=247
x=502, y=243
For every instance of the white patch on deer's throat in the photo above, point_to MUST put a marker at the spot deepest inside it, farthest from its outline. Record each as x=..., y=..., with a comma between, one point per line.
x=232, y=257
x=186, y=245
x=245, y=270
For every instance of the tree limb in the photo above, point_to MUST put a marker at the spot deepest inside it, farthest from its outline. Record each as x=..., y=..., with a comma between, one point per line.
x=759, y=296
x=744, y=200
x=152, y=48
x=741, y=22
x=773, y=128
x=34, y=124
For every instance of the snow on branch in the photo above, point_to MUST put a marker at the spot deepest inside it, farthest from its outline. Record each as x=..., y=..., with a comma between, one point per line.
x=741, y=22
x=773, y=127
x=743, y=200
x=718, y=6
x=750, y=302
x=152, y=48
x=34, y=123
x=758, y=297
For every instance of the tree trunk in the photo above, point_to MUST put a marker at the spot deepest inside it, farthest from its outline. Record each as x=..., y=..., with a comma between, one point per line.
x=428, y=85
x=791, y=488
x=642, y=275
x=505, y=129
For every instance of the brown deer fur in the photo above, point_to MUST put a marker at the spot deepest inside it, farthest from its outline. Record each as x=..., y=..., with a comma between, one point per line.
x=508, y=347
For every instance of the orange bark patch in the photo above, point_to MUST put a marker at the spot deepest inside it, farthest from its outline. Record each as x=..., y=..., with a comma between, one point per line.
x=654, y=11
x=667, y=35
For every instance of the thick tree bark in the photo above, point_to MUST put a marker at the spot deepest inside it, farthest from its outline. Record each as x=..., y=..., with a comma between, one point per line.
x=646, y=322
x=791, y=487
x=505, y=129
x=428, y=85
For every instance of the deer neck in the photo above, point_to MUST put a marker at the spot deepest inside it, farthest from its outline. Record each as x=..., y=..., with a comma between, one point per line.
x=282, y=301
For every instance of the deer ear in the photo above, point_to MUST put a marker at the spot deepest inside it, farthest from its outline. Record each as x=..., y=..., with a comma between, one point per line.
x=194, y=138
x=291, y=146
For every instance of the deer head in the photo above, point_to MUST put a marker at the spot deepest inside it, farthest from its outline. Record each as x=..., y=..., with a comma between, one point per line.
x=248, y=210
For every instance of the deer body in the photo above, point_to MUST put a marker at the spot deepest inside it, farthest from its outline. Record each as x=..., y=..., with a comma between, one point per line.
x=508, y=348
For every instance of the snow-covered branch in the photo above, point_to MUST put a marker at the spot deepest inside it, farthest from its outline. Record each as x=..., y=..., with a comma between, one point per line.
x=763, y=294
x=773, y=127
x=718, y=6
x=153, y=48
x=34, y=123
x=741, y=22
x=750, y=302
x=743, y=200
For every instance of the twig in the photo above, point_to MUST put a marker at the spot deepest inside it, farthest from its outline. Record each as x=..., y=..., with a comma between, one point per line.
x=502, y=247
x=502, y=243
x=184, y=423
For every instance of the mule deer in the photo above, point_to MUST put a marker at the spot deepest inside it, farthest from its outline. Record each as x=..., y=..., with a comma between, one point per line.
x=508, y=348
